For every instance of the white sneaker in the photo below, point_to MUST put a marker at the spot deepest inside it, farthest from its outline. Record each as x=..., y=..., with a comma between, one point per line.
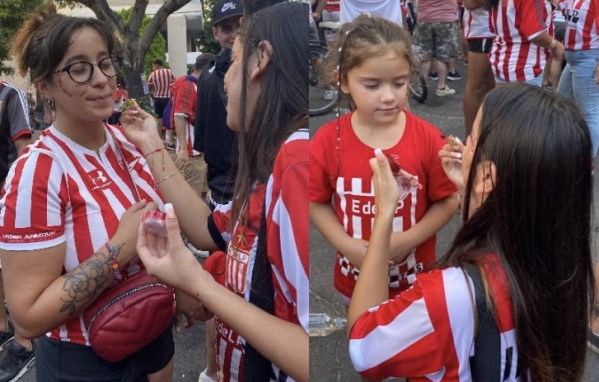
x=446, y=91
x=205, y=377
x=329, y=95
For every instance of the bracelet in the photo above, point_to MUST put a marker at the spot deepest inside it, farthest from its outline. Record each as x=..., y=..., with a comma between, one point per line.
x=152, y=152
x=552, y=45
x=165, y=178
x=155, y=151
x=115, y=263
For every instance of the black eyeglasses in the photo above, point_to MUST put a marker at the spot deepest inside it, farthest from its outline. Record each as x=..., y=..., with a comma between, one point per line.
x=81, y=72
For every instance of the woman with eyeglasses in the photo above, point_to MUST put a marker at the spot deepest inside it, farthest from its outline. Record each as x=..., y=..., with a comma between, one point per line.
x=71, y=204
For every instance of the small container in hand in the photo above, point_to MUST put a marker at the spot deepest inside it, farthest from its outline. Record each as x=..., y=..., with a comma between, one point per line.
x=154, y=221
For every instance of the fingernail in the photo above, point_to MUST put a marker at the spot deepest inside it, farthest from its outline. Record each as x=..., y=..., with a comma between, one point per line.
x=378, y=152
x=170, y=211
x=455, y=154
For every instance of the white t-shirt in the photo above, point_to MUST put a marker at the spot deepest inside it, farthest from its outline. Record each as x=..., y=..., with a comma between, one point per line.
x=389, y=9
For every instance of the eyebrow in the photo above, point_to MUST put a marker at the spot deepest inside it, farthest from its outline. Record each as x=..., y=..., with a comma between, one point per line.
x=83, y=58
x=379, y=79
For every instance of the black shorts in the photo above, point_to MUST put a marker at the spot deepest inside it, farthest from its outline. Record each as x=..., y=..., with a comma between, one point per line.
x=64, y=361
x=480, y=45
x=159, y=105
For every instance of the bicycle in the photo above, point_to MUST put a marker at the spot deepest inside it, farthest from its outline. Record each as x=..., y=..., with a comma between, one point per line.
x=323, y=96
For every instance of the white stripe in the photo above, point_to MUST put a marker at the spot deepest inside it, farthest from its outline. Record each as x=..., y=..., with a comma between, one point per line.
x=461, y=316
x=360, y=350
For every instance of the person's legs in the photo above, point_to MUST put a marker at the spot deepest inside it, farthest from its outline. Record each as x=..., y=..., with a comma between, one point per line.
x=19, y=351
x=586, y=93
x=446, y=48
x=480, y=81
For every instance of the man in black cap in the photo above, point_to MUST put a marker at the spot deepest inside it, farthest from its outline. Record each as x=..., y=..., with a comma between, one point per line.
x=212, y=135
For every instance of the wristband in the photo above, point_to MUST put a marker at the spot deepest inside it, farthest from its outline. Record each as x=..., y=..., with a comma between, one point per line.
x=115, y=263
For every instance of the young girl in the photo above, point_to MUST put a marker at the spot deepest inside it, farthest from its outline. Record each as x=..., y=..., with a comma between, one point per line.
x=527, y=224
x=268, y=106
x=374, y=70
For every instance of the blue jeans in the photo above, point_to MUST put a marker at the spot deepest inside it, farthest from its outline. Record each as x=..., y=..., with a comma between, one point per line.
x=578, y=81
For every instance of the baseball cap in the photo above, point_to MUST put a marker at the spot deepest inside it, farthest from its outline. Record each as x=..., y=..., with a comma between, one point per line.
x=203, y=60
x=225, y=9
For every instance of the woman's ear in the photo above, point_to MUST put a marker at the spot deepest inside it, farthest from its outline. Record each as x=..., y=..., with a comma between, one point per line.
x=43, y=88
x=486, y=178
x=263, y=52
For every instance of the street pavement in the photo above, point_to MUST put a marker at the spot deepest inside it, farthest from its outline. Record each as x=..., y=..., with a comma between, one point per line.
x=329, y=360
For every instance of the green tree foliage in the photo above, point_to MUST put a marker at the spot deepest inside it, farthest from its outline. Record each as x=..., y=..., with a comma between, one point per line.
x=12, y=14
x=206, y=42
x=157, y=49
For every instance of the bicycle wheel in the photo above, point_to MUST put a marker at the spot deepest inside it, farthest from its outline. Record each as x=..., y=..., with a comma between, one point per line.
x=322, y=95
x=417, y=85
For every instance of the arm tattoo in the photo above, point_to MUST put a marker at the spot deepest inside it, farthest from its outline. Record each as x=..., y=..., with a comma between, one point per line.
x=87, y=280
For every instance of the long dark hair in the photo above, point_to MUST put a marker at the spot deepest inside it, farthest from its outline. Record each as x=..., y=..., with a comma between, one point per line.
x=537, y=220
x=282, y=106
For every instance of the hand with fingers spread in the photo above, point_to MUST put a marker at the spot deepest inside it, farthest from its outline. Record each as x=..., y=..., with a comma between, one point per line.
x=451, y=159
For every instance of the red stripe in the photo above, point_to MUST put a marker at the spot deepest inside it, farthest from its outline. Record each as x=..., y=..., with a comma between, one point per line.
x=39, y=200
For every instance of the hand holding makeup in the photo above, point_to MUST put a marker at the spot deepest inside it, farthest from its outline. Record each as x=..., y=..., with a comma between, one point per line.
x=398, y=172
x=451, y=159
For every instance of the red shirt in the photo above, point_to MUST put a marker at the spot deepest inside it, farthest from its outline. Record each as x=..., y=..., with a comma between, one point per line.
x=342, y=174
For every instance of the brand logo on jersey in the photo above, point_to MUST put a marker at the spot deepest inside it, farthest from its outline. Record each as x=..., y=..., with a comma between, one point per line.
x=572, y=15
x=99, y=179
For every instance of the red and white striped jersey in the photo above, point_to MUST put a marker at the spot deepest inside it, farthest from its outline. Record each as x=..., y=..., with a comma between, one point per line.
x=427, y=332
x=582, y=24
x=60, y=192
x=161, y=80
x=185, y=96
x=514, y=58
x=342, y=174
x=287, y=233
x=477, y=24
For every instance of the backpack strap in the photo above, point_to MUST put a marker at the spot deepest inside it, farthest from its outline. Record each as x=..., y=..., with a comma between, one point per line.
x=485, y=365
x=256, y=367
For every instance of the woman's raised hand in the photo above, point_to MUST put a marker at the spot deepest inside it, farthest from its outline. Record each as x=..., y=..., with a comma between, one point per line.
x=451, y=159
x=386, y=189
x=140, y=127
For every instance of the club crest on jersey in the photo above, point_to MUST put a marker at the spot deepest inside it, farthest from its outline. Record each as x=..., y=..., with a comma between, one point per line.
x=99, y=179
x=237, y=267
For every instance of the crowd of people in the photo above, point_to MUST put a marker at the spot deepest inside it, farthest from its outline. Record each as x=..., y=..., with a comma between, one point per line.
x=513, y=298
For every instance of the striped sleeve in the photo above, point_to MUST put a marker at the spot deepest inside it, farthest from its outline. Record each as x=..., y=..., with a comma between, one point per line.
x=288, y=231
x=426, y=330
x=33, y=199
